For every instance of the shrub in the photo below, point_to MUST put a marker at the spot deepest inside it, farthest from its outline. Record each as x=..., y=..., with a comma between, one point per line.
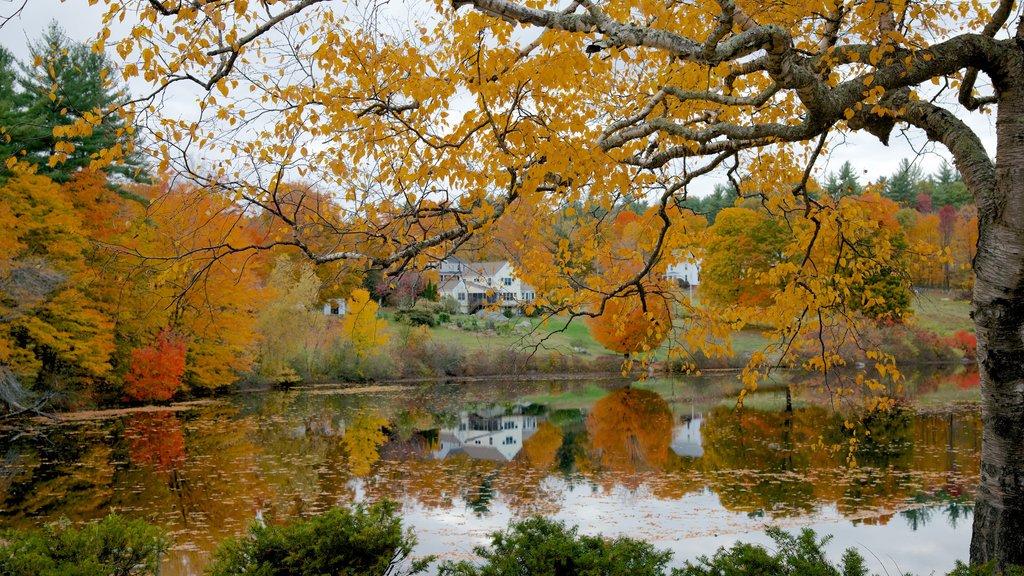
x=801, y=555
x=967, y=342
x=113, y=546
x=541, y=547
x=985, y=570
x=341, y=542
x=450, y=305
x=416, y=317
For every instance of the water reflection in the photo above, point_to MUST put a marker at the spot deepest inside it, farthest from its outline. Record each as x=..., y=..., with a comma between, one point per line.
x=665, y=458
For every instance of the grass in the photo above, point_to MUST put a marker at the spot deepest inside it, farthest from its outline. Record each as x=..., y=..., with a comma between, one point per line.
x=934, y=311
x=550, y=335
x=939, y=313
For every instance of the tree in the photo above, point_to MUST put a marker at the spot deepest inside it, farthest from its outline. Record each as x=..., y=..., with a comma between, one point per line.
x=902, y=186
x=68, y=84
x=291, y=324
x=608, y=102
x=155, y=372
x=628, y=328
x=741, y=248
x=844, y=183
x=361, y=324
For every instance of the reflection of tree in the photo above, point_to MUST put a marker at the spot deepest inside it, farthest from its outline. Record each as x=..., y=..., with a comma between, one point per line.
x=541, y=449
x=155, y=439
x=362, y=440
x=630, y=430
x=758, y=460
x=66, y=471
x=778, y=461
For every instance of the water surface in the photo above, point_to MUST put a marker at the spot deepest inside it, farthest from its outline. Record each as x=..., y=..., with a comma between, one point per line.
x=669, y=461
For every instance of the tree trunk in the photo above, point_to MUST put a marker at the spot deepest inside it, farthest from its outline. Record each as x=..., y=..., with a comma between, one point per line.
x=999, y=321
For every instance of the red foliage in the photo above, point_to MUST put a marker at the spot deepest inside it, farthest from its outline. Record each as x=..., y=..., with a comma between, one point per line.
x=967, y=342
x=968, y=380
x=156, y=440
x=924, y=203
x=155, y=372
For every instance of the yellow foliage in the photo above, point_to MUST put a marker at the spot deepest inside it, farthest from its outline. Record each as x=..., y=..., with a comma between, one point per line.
x=361, y=324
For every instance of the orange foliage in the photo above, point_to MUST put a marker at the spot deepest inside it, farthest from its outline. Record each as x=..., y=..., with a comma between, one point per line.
x=541, y=448
x=631, y=429
x=156, y=440
x=155, y=372
x=626, y=328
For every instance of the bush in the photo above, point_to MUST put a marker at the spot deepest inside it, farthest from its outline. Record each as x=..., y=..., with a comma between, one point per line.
x=450, y=305
x=341, y=542
x=416, y=317
x=801, y=555
x=985, y=570
x=113, y=546
x=542, y=547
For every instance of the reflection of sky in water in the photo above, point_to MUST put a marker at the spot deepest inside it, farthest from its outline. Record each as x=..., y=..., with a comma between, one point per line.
x=696, y=525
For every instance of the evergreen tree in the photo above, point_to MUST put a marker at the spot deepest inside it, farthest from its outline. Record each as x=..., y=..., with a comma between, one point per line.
x=8, y=80
x=844, y=182
x=723, y=196
x=950, y=189
x=66, y=81
x=902, y=186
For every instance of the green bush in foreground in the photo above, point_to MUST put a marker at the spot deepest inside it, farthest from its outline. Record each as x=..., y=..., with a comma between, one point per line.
x=541, y=547
x=796, y=555
x=113, y=546
x=361, y=541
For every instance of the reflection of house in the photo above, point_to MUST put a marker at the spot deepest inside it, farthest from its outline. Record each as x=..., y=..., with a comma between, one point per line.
x=488, y=434
x=335, y=307
x=479, y=284
x=686, y=439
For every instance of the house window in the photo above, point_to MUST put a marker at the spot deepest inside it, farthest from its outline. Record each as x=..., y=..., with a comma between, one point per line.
x=506, y=281
x=462, y=296
x=335, y=309
x=508, y=296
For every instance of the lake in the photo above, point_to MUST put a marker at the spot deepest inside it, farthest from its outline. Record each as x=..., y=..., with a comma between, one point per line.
x=669, y=460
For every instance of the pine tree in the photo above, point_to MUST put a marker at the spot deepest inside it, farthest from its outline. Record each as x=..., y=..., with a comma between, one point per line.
x=66, y=82
x=844, y=182
x=902, y=186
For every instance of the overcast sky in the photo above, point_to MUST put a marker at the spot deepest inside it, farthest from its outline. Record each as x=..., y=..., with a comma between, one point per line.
x=868, y=156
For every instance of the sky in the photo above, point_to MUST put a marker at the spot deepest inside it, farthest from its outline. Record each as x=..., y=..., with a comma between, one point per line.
x=869, y=157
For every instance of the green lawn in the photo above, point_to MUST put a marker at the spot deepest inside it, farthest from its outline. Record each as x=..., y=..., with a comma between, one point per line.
x=552, y=334
x=937, y=312
x=933, y=311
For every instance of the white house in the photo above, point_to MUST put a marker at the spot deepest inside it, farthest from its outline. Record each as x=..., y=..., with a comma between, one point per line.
x=488, y=434
x=686, y=271
x=482, y=284
x=450, y=267
x=336, y=307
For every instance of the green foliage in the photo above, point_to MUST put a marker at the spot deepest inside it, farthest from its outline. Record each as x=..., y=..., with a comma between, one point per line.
x=902, y=186
x=801, y=555
x=709, y=206
x=416, y=317
x=113, y=546
x=542, y=547
x=844, y=182
x=67, y=81
x=430, y=291
x=361, y=541
x=988, y=569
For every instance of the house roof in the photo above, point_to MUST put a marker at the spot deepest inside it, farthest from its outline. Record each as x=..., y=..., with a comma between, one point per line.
x=449, y=284
x=486, y=268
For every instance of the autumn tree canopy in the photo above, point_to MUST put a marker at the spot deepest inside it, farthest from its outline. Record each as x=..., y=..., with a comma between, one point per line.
x=429, y=130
